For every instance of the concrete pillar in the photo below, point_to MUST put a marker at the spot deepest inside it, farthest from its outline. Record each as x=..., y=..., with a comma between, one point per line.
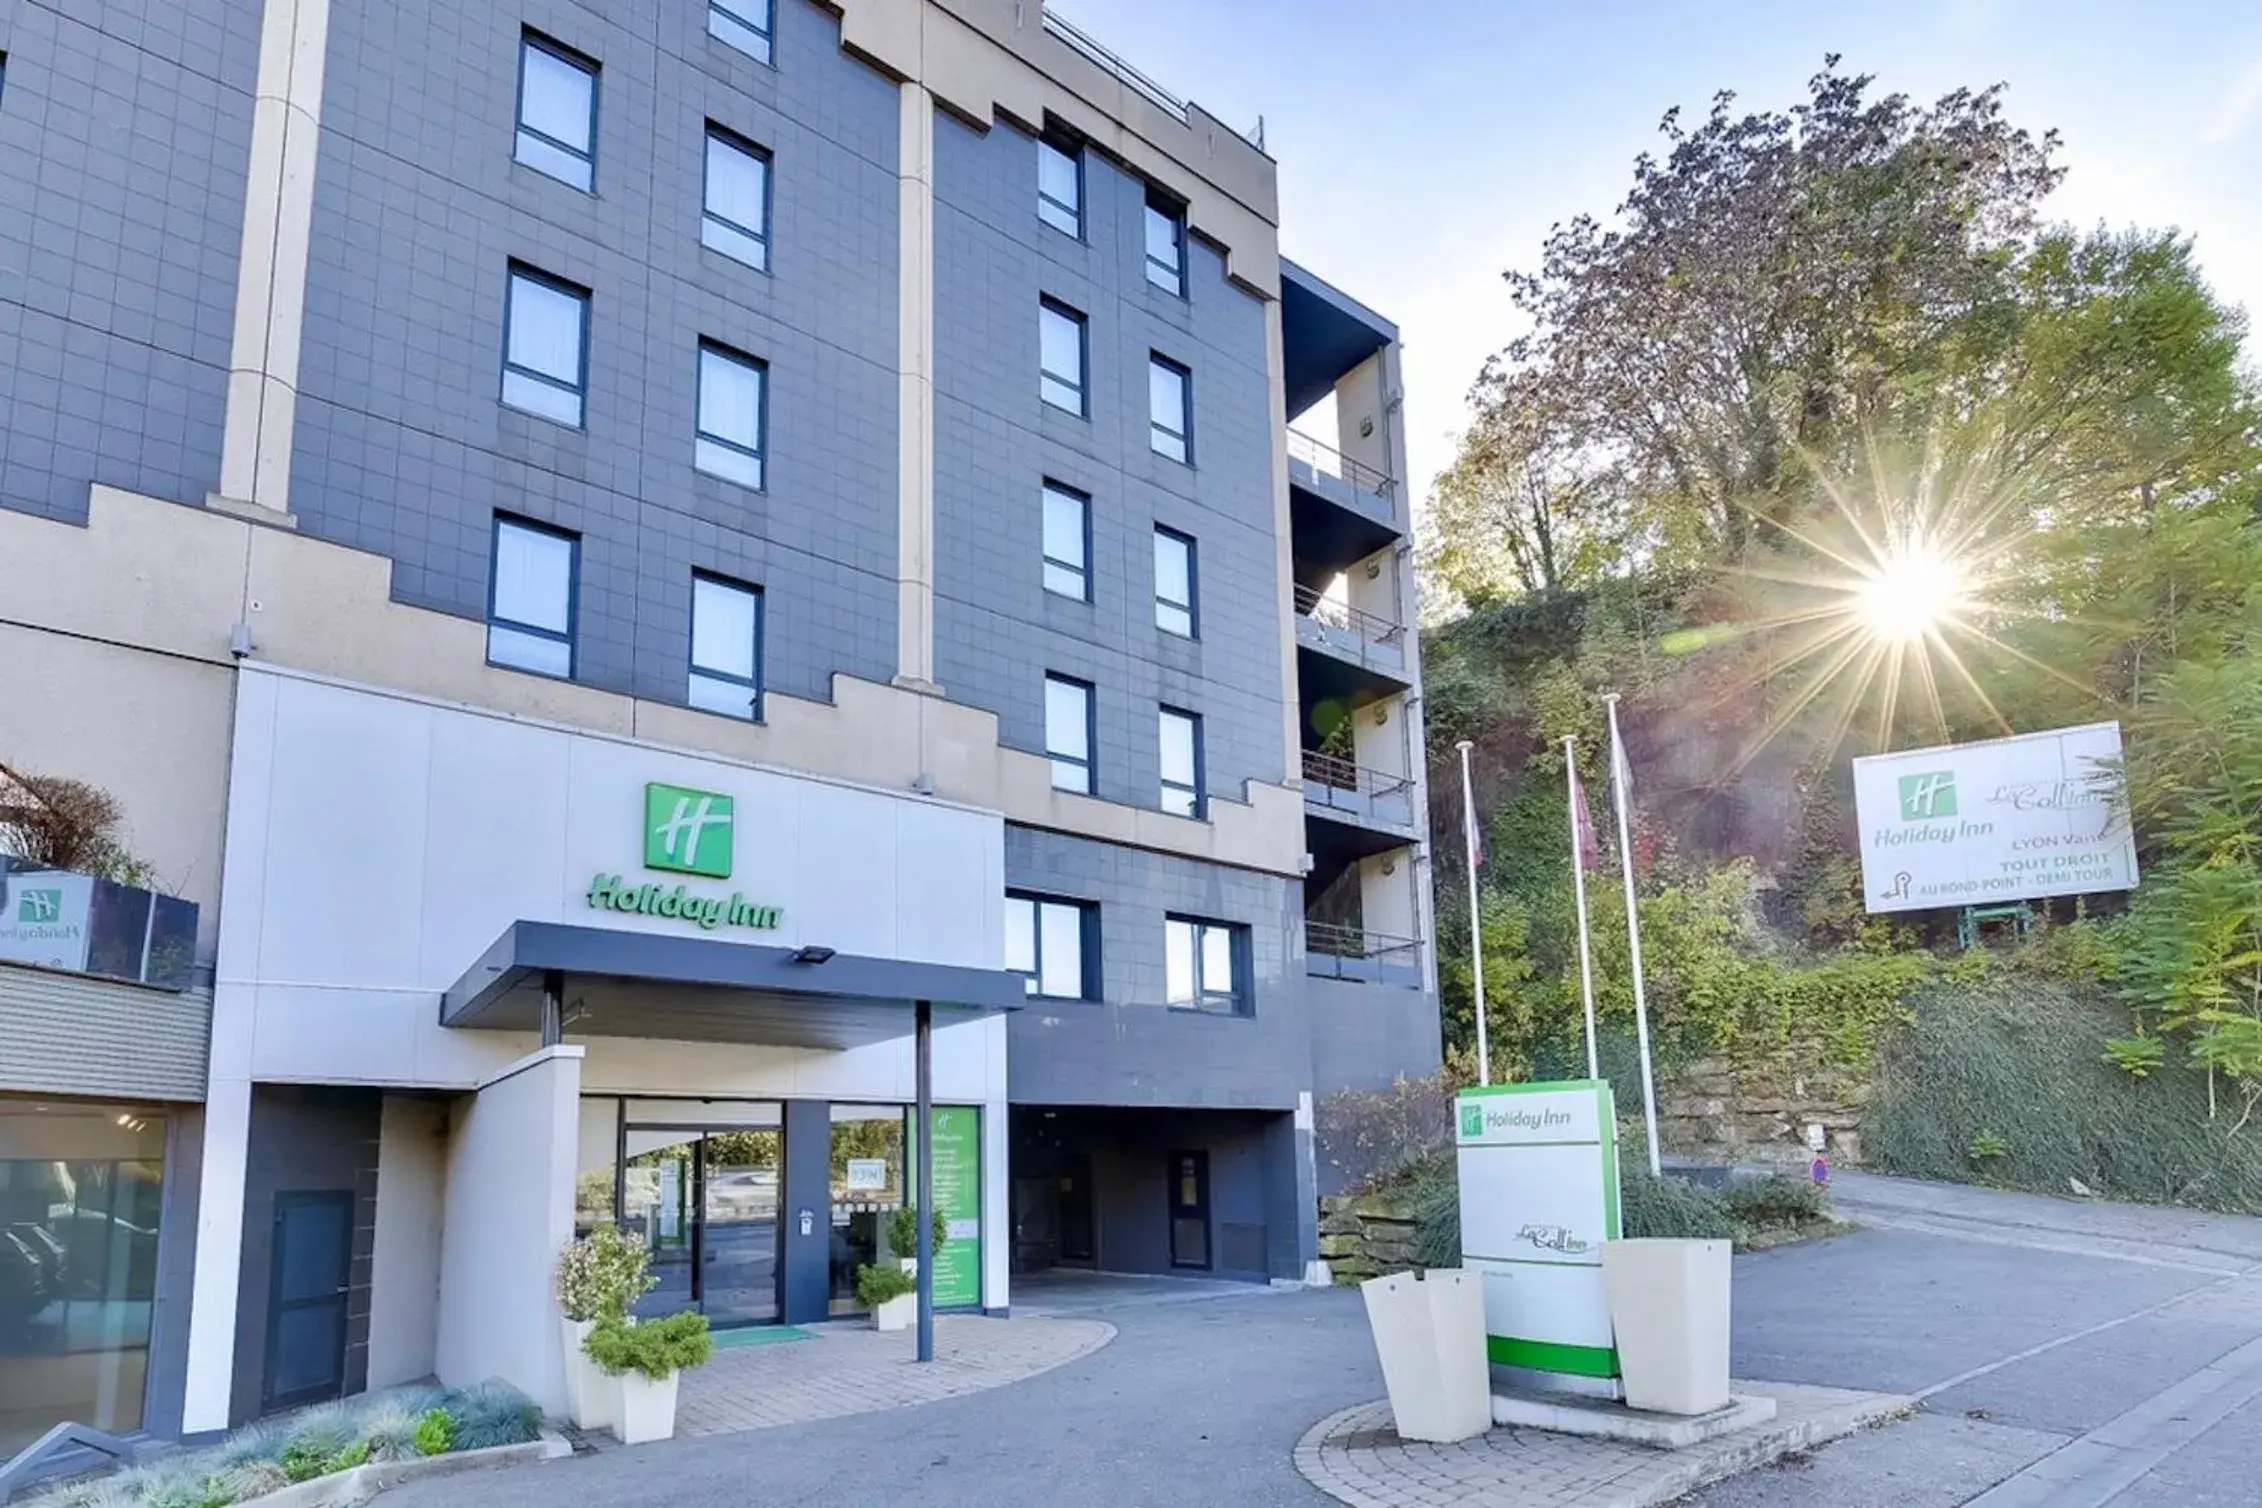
x=915, y=393
x=508, y=1213
x=263, y=362
x=210, y=1374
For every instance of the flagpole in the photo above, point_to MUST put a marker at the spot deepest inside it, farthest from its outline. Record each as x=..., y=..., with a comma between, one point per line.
x=1476, y=929
x=1579, y=890
x=1618, y=769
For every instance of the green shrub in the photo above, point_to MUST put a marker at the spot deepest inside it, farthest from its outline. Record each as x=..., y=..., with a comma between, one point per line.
x=1774, y=1201
x=356, y=1454
x=302, y=1463
x=490, y=1415
x=879, y=1283
x=2011, y=1077
x=435, y=1433
x=1435, y=1195
x=903, y=1231
x=1671, y=1208
x=655, y=1348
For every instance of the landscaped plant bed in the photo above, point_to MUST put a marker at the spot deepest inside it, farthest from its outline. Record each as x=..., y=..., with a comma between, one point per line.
x=338, y=1453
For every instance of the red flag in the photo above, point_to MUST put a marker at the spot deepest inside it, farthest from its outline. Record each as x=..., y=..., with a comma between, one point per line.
x=1589, y=847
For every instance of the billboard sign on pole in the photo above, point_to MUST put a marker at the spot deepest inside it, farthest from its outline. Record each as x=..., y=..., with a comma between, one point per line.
x=2011, y=819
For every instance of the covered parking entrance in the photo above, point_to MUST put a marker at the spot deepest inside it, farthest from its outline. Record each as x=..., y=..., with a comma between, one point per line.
x=1170, y=1192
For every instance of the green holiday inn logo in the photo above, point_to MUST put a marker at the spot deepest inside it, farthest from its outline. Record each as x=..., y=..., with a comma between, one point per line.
x=1929, y=795
x=687, y=831
x=1472, y=1120
x=40, y=907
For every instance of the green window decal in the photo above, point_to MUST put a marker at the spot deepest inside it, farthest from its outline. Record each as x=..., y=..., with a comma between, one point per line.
x=40, y=906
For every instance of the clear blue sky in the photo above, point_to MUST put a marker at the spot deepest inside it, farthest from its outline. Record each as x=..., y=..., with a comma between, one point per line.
x=1426, y=145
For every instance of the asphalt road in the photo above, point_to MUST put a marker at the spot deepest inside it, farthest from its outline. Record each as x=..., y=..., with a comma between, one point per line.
x=2099, y=1340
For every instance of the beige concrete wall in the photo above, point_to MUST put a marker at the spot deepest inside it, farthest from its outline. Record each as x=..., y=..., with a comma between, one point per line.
x=151, y=729
x=151, y=576
x=989, y=58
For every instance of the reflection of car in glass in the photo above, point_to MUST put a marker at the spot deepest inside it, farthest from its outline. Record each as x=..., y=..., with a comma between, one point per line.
x=748, y=1194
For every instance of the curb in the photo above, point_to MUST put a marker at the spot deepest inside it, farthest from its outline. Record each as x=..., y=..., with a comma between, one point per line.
x=346, y=1488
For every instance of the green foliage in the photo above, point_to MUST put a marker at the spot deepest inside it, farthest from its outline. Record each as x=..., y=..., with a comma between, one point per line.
x=1435, y=1195
x=882, y=1282
x=601, y=1274
x=903, y=1231
x=356, y=1454
x=435, y=1433
x=1987, y=1147
x=653, y=1348
x=2139, y=1056
x=1670, y=1208
x=1774, y=1201
x=2017, y=1064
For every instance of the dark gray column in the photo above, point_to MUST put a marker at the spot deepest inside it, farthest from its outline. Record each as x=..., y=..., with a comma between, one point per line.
x=924, y=1119
x=805, y=1294
x=553, y=1007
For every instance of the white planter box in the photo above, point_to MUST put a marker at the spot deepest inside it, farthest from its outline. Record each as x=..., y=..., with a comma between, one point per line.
x=590, y=1395
x=1669, y=1303
x=899, y=1314
x=1429, y=1335
x=647, y=1408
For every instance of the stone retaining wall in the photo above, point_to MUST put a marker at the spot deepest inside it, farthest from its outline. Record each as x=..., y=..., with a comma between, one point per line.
x=1364, y=1236
x=1714, y=1112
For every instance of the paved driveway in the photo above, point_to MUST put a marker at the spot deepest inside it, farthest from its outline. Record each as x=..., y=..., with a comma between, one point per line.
x=2104, y=1340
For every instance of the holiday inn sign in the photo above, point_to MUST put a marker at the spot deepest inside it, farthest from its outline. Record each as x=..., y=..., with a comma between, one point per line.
x=685, y=832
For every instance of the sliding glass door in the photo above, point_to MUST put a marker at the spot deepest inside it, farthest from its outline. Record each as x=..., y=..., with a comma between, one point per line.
x=703, y=1198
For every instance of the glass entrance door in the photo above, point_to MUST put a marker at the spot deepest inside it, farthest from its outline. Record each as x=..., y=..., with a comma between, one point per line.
x=738, y=1226
x=705, y=1203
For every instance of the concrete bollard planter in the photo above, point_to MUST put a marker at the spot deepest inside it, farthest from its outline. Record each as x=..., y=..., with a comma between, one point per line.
x=1429, y=1335
x=1669, y=1304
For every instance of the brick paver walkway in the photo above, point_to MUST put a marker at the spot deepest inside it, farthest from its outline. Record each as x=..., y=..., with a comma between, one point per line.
x=1357, y=1458
x=851, y=1369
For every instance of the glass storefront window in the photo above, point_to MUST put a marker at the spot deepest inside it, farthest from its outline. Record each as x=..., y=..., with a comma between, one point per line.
x=867, y=1189
x=81, y=1187
x=701, y=1190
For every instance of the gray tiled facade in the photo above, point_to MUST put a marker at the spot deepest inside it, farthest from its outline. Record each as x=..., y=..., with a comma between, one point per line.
x=125, y=133
x=125, y=126
x=997, y=631
x=1128, y=1047
x=403, y=447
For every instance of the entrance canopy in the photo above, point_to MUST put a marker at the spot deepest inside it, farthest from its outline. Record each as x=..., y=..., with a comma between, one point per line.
x=612, y=983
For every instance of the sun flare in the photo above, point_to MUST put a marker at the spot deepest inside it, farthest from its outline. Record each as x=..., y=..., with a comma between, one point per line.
x=1913, y=590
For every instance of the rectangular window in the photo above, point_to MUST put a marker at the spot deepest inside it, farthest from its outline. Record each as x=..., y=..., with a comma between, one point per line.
x=1068, y=536
x=1202, y=965
x=557, y=111
x=1174, y=582
x=1166, y=245
x=1170, y=408
x=1060, y=349
x=730, y=415
x=545, y=346
x=1183, y=792
x=726, y=647
x=1060, y=186
x=1069, y=733
x=743, y=24
x=1053, y=945
x=530, y=592
x=737, y=221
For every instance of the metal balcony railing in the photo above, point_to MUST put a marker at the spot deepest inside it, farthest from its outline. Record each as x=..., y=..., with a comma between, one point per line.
x=1333, y=950
x=1091, y=48
x=1330, y=462
x=1327, y=776
x=1333, y=612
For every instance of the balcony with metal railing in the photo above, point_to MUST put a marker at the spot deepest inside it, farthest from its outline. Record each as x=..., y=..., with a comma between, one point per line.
x=1337, y=788
x=1361, y=642
x=1327, y=475
x=1334, y=950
